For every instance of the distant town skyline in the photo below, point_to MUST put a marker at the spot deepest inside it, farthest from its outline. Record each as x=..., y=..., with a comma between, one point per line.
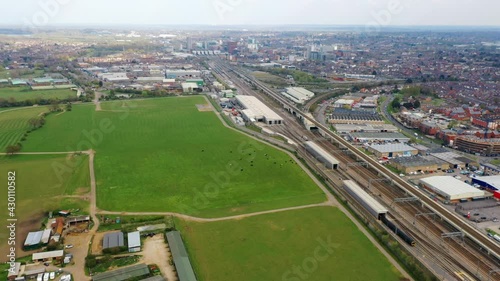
x=370, y=13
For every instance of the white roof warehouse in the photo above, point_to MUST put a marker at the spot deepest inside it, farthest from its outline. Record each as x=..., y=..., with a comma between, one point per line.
x=450, y=188
x=255, y=110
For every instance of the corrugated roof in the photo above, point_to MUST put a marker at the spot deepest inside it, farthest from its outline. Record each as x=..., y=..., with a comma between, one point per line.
x=257, y=107
x=48, y=255
x=46, y=236
x=451, y=187
x=123, y=273
x=33, y=238
x=181, y=259
x=112, y=240
x=392, y=147
x=154, y=278
x=134, y=239
x=323, y=153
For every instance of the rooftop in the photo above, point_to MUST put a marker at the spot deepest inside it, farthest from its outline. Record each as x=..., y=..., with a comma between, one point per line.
x=181, y=258
x=451, y=186
x=112, y=240
x=392, y=147
x=134, y=239
x=123, y=273
x=257, y=107
x=47, y=255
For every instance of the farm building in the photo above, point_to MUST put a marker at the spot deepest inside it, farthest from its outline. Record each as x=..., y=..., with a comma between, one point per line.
x=112, y=240
x=392, y=150
x=124, y=273
x=58, y=228
x=450, y=189
x=363, y=198
x=14, y=271
x=372, y=137
x=32, y=271
x=48, y=256
x=255, y=110
x=180, y=256
x=366, y=128
x=134, y=241
x=322, y=155
x=418, y=164
x=77, y=220
x=154, y=278
x=491, y=182
x=34, y=239
x=297, y=95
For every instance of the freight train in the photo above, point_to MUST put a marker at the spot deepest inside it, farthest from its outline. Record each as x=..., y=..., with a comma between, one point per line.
x=410, y=241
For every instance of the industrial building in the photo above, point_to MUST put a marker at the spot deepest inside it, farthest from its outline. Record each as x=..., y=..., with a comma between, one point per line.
x=322, y=156
x=113, y=76
x=255, y=110
x=418, y=164
x=450, y=189
x=173, y=74
x=124, y=273
x=363, y=198
x=308, y=124
x=343, y=103
x=380, y=137
x=347, y=116
x=367, y=128
x=134, y=241
x=190, y=88
x=297, y=95
x=112, y=240
x=392, y=150
x=491, y=182
x=454, y=160
x=181, y=259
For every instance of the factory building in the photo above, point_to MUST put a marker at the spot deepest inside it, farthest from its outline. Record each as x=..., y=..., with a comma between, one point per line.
x=113, y=76
x=418, y=164
x=297, y=95
x=322, y=155
x=454, y=160
x=174, y=74
x=257, y=111
x=450, y=189
x=491, y=182
x=392, y=150
x=346, y=116
x=377, y=137
x=367, y=128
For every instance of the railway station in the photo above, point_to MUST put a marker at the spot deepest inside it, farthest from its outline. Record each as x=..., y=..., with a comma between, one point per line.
x=363, y=198
x=322, y=155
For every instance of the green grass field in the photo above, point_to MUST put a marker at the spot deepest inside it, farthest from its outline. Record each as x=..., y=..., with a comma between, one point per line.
x=165, y=155
x=282, y=246
x=43, y=183
x=25, y=93
x=14, y=124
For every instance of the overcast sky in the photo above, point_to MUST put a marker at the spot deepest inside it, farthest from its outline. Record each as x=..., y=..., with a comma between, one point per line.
x=261, y=12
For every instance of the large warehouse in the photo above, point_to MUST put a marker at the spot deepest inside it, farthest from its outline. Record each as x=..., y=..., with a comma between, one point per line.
x=370, y=137
x=392, y=150
x=297, y=95
x=491, y=182
x=450, y=189
x=255, y=110
x=418, y=164
x=372, y=205
x=321, y=154
x=367, y=128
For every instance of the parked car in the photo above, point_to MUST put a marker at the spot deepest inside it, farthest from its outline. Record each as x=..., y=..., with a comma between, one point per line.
x=52, y=275
x=69, y=246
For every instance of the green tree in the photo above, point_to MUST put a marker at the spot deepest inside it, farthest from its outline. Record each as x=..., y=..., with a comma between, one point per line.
x=13, y=149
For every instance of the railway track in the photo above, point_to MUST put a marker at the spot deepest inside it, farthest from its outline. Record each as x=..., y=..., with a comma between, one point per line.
x=448, y=263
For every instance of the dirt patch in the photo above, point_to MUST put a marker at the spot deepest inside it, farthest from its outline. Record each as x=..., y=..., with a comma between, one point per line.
x=156, y=251
x=204, y=107
x=80, y=248
x=81, y=191
x=97, y=243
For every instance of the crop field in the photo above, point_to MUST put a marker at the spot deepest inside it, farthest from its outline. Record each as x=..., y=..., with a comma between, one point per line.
x=14, y=124
x=43, y=183
x=25, y=93
x=319, y=244
x=165, y=155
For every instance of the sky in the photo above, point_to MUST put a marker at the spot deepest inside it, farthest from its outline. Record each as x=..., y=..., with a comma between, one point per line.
x=252, y=12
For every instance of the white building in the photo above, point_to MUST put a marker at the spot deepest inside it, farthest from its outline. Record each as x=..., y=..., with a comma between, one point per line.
x=450, y=188
x=322, y=155
x=298, y=95
x=189, y=87
x=343, y=103
x=134, y=241
x=255, y=110
x=113, y=76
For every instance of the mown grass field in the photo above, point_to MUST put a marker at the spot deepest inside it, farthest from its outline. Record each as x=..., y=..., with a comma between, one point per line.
x=14, y=124
x=25, y=93
x=165, y=155
x=284, y=246
x=43, y=183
